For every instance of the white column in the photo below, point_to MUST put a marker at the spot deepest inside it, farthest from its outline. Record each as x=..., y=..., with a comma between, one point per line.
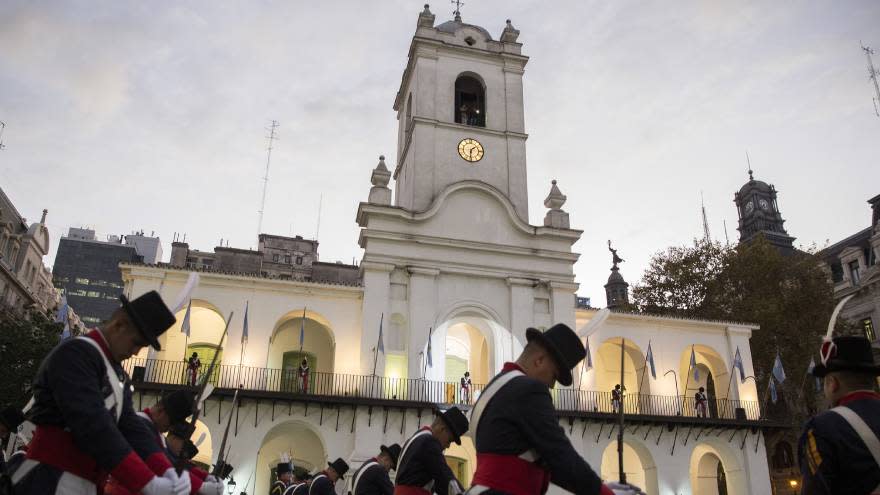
x=422, y=312
x=522, y=311
x=377, y=287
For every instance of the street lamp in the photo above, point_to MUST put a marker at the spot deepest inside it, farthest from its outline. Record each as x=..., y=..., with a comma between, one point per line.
x=675, y=375
x=230, y=487
x=794, y=485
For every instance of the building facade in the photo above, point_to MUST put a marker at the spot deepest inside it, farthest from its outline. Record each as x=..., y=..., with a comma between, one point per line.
x=24, y=279
x=87, y=270
x=451, y=277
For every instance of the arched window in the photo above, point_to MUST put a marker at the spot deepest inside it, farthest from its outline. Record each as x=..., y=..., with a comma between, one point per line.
x=470, y=101
x=782, y=456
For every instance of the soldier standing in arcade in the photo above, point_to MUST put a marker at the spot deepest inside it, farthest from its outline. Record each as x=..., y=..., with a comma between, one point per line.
x=422, y=469
x=372, y=477
x=192, y=367
x=701, y=403
x=839, y=451
x=283, y=471
x=85, y=424
x=520, y=445
x=324, y=482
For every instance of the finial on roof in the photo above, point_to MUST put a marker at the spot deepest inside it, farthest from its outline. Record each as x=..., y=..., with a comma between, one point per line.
x=749, y=161
x=457, y=11
x=426, y=18
x=555, y=218
x=43, y=219
x=510, y=33
x=380, y=193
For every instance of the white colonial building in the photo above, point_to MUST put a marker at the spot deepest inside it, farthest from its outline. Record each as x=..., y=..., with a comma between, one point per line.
x=455, y=273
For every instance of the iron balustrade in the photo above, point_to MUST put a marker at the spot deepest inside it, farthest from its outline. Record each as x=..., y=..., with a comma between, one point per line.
x=428, y=391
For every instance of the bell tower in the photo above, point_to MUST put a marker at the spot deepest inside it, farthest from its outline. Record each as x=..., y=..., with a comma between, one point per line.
x=460, y=113
x=759, y=214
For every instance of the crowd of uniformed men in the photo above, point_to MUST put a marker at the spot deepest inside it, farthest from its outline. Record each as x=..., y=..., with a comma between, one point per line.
x=89, y=439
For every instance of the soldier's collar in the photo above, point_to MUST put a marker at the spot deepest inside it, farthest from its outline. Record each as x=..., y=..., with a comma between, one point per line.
x=857, y=395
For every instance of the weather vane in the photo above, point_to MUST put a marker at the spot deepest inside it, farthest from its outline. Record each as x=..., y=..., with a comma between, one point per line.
x=457, y=11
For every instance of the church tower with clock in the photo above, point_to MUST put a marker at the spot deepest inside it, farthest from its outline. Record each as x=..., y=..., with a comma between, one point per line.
x=460, y=113
x=759, y=214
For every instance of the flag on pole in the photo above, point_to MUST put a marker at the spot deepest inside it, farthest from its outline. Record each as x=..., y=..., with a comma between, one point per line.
x=61, y=317
x=184, y=327
x=778, y=372
x=738, y=364
x=302, y=330
x=694, y=365
x=649, y=357
x=381, y=345
x=589, y=361
x=773, y=395
x=244, y=328
x=810, y=371
x=429, y=349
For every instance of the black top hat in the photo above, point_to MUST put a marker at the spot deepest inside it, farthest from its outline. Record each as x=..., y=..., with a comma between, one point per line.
x=150, y=315
x=178, y=405
x=340, y=466
x=181, y=429
x=11, y=417
x=702, y=389
x=393, y=452
x=195, y=354
x=848, y=353
x=189, y=450
x=282, y=468
x=457, y=423
x=564, y=345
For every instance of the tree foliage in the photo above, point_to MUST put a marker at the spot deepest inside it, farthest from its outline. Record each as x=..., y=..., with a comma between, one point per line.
x=24, y=341
x=789, y=296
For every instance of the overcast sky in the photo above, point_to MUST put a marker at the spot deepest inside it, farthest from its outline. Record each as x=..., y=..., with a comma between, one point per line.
x=125, y=115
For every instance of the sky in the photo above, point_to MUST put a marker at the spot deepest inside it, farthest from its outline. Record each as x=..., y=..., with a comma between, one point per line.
x=124, y=115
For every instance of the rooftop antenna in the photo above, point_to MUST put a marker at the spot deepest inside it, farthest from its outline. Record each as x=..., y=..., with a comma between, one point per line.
x=457, y=11
x=726, y=239
x=2, y=127
x=318, y=229
x=749, y=161
x=271, y=138
x=872, y=75
x=706, y=236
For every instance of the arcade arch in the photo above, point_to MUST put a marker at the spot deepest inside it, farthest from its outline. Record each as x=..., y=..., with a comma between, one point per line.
x=714, y=376
x=607, y=368
x=716, y=470
x=318, y=345
x=303, y=443
x=638, y=465
x=206, y=325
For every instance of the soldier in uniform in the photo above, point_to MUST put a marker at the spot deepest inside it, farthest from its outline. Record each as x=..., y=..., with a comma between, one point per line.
x=284, y=472
x=520, y=445
x=372, y=477
x=323, y=482
x=422, y=469
x=838, y=450
x=701, y=403
x=86, y=426
x=297, y=481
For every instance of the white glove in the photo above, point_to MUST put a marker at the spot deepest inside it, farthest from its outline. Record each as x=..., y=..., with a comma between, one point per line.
x=624, y=489
x=159, y=486
x=211, y=478
x=211, y=488
x=182, y=484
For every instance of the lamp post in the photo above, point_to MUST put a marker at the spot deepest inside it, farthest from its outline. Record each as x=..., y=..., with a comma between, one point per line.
x=230, y=487
x=675, y=375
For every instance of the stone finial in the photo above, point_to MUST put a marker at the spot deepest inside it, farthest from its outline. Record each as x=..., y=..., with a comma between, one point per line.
x=380, y=193
x=43, y=219
x=510, y=33
x=426, y=18
x=555, y=218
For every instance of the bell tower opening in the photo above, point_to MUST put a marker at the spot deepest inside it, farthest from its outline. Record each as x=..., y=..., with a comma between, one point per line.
x=470, y=101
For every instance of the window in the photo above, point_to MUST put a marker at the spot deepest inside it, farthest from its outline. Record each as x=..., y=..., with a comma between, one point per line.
x=782, y=456
x=854, y=272
x=287, y=259
x=83, y=281
x=99, y=283
x=275, y=258
x=77, y=292
x=470, y=102
x=93, y=293
x=207, y=262
x=90, y=319
x=868, y=327
x=299, y=260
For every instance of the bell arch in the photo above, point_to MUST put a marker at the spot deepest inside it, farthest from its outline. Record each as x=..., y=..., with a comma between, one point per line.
x=470, y=100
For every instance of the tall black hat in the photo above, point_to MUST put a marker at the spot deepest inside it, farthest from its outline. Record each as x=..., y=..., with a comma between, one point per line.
x=178, y=405
x=846, y=353
x=189, y=450
x=456, y=421
x=150, y=315
x=11, y=417
x=182, y=429
x=340, y=466
x=564, y=345
x=282, y=468
x=393, y=452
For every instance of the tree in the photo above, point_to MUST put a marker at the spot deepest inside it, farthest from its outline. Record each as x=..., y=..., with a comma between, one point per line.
x=789, y=296
x=24, y=341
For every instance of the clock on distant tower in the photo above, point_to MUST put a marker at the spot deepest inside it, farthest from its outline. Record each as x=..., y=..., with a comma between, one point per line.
x=763, y=204
x=470, y=150
x=749, y=207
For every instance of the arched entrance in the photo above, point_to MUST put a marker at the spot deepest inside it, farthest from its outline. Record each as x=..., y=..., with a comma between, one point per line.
x=462, y=459
x=713, y=376
x=636, y=379
x=206, y=326
x=296, y=338
x=638, y=465
x=715, y=470
x=304, y=445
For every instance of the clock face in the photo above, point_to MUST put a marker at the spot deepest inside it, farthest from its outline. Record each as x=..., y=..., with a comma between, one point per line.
x=763, y=204
x=749, y=207
x=470, y=150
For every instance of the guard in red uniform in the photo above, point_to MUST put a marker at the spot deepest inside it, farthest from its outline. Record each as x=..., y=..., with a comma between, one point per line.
x=520, y=446
x=422, y=469
x=86, y=425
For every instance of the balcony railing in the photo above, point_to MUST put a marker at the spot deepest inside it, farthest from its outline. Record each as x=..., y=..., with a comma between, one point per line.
x=339, y=385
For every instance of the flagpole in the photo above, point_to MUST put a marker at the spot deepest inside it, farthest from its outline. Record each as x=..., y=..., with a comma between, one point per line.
x=302, y=327
x=622, y=474
x=645, y=368
x=376, y=357
x=688, y=379
x=425, y=368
